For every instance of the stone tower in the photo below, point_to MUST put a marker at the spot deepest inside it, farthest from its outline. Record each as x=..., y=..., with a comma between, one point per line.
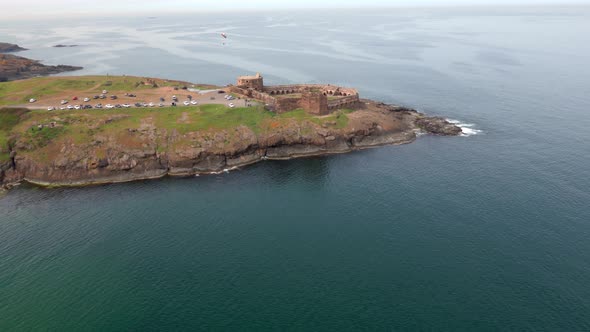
x=314, y=102
x=251, y=82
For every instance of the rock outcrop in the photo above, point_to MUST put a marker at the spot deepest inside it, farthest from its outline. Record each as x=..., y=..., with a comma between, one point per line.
x=14, y=67
x=437, y=126
x=9, y=48
x=147, y=151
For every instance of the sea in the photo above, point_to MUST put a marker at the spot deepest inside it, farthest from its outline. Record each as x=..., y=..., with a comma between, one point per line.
x=486, y=231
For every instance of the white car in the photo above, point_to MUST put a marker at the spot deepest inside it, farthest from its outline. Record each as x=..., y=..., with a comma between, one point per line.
x=86, y=99
x=109, y=106
x=104, y=92
x=151, y=105
x=231, y=105
x=62, y=108
x=32, y=100
x=186, y=103
x=161, y=104
x=70, y=107
x=126, y=105
x=50, y=108
x=194, y=102
x=63, y=102
x=77, y=107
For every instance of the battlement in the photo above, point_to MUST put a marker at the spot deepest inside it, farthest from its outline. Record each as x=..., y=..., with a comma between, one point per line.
x=255, y=82
x=317, y=99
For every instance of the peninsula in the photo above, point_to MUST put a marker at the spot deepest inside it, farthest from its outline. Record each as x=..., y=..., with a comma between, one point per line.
x=14, y=67
x=9, y=48
x=73, y=131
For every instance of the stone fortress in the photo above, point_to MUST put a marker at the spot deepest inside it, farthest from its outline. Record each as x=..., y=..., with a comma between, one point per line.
x=318, y=99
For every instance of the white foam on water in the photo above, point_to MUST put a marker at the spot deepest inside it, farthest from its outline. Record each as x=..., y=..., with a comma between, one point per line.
x=466, y=128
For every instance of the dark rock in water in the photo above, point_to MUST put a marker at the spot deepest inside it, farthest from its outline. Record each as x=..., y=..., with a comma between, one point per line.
x=61, y=45
x=14, y=67
x=8, y=48
x=437, y=126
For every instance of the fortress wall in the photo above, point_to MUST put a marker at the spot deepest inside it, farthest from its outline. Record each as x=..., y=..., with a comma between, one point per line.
x=314, y=97
x=350, y=101
x=287, y=104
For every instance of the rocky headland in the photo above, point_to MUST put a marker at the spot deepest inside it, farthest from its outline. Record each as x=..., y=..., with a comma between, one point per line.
x=9, y=48
x=14, y=67
x=114, y=149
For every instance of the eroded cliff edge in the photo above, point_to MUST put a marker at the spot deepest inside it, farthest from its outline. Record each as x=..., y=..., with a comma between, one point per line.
x=114, y=149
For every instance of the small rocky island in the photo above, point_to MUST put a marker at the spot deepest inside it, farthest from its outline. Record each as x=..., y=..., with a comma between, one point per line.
x=14, y=67
x=195, y=129
x=9, y=48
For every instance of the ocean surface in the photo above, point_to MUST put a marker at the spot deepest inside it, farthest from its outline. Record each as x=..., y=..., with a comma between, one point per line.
x=488, y=231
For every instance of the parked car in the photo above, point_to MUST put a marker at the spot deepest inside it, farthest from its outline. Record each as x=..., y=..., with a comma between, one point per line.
x=75, y=98
x=32, y=100
x=99, y=105
x=77, y=107
x=151, y=105
x=186, y=103
x=194, y=102
x=70, y=107
x=86, y=99
x=63, y=102
x=126, y=105
x=137, y=104
x=231, y=105
x=50, y=108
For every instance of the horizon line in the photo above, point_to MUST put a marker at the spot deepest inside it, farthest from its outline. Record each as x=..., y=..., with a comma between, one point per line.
x=153, y=13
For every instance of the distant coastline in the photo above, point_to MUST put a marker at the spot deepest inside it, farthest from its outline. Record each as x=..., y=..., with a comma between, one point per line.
x=13, y=67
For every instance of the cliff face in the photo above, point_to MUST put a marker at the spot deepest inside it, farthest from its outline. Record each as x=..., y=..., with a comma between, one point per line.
x=14, y=67
x=144, y=150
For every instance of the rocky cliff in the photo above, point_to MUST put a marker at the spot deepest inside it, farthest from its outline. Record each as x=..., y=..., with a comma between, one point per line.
x=145, y=150
x=14, y=67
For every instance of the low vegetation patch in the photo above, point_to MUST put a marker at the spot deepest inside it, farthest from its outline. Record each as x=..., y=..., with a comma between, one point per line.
x=9, y=118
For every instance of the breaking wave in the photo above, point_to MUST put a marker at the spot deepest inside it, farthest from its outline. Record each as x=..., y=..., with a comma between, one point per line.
x=467, y=128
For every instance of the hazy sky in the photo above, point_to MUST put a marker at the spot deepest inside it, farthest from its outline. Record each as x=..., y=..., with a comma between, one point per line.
x=57, y=7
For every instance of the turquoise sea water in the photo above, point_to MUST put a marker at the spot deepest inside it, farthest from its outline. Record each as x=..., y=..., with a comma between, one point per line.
x=483, y=232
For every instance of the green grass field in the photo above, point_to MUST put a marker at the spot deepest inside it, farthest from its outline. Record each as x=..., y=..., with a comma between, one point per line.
x=82, y=125
x=9, y=118
x=20, y=91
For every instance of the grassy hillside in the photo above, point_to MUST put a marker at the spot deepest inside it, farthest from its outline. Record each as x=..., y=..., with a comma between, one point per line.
x=19, y=92
x=9, y=118
x=36, y=129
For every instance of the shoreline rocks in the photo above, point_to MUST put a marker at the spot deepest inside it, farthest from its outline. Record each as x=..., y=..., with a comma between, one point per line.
x=14, y=67
x=160, y=152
